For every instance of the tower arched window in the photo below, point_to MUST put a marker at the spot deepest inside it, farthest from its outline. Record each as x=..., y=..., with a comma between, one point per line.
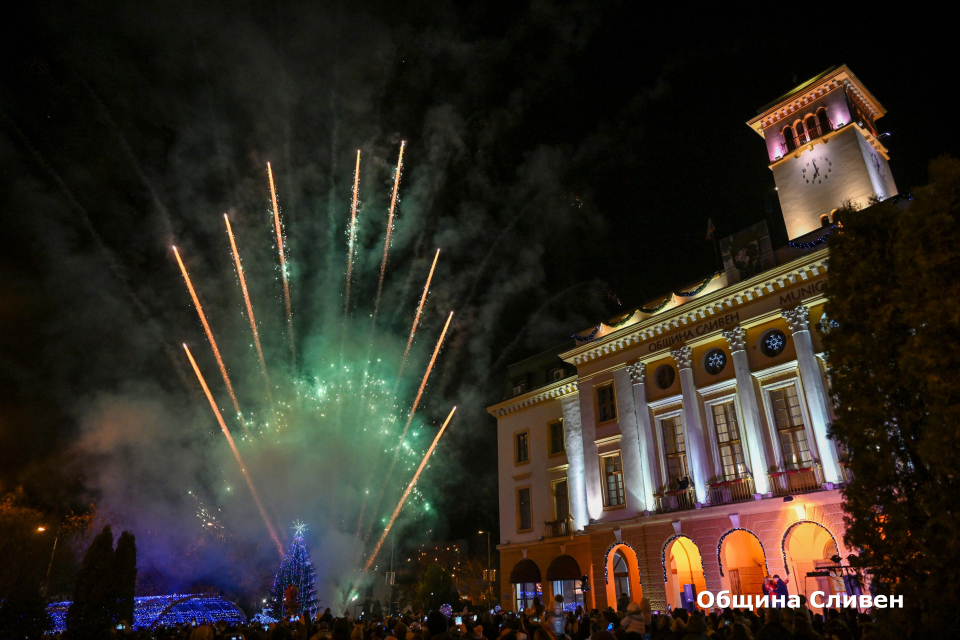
x=811, y=124
x=824, y=121
x=825, y=220
x=789, y=139
x=801, y=133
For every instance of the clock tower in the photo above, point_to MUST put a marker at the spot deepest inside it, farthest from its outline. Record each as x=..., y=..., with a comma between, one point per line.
x=824, y=149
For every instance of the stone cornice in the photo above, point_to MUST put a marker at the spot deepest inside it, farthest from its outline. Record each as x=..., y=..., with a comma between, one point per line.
x=716, y=303
x=554, y=390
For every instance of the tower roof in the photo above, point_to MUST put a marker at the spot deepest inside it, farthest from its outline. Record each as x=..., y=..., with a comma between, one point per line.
x=817, y=86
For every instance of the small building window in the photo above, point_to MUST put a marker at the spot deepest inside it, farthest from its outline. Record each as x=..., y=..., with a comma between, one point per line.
x=556, y=374
x=789, y=138
x=812, y=128
x=523, y=447
x=790, y=428
x=825, y=220
x=556, y=437
x=773, y=343
x=728, y=440
x=613, y=480
x=824, y=121
x=561, y=501
x=524, y=518
x=606, y=403
x=665, y=375
x=715, y=361
x=675, y=449
x=519, y=386
x=801, y=133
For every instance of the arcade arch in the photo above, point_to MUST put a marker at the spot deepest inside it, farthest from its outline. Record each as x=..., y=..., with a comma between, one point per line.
x=682, y=565
x=743, y=563
x=623, y=574
x=808, y=547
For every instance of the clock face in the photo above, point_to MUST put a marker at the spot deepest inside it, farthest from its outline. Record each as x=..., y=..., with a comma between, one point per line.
x=817, y=170
x=877, y=165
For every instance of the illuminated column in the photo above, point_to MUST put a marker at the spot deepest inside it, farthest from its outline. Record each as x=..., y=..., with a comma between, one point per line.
x=750, y=409
x=694, y=425
x=813, y=391
x=577, y=489
x=634, y=464
x=638, y=373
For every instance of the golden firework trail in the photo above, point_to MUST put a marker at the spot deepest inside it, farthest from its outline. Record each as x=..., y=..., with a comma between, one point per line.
x=353, y=234
x=236, y=452
x=406, y=428
x=386, y=244
x=246, y=299
x=416, y=318
x=213, y=342
x=403, y=498
x=283, y=257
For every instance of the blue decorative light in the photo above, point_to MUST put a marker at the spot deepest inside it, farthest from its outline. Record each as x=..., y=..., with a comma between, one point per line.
x=295, y=569
x=774, y=342
x=813, y=243
x=177, y=608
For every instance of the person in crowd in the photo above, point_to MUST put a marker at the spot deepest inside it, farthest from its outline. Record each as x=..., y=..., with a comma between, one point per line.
x=696, y=628
x=741, y=632
x=556, y=618
x=637, y=616
x=773, y=628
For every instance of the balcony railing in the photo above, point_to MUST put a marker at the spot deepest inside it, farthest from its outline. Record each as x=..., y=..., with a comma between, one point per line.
x=556, y=528
x=812, y=134
x=677, y=500
x=797, y=480
x=729, y=491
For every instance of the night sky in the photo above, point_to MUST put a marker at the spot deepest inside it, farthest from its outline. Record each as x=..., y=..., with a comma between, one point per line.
x=565, y=157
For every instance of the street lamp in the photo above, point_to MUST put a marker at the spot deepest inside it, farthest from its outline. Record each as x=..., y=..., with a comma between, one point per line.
x=46, y=581
x=489, y=581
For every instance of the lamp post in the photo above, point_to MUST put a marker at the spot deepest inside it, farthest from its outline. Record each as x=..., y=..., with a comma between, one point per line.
x=489, y=581
x=46, y=581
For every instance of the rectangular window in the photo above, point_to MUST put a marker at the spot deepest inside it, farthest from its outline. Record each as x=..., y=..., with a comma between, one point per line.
x=556, y=374
x=523, y=448
x=561, y=502
x=728, y=440
x=613, y=480
x=790, y=428
x=675, y=450
x=606, y=403
x=524, y=518
x=556, y=437
x=519, y=386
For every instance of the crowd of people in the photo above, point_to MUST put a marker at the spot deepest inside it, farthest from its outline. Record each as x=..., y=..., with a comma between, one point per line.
x=630, y=621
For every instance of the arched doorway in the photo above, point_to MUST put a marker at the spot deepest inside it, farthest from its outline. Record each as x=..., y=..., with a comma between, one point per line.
x=526, y=582
x=564, y=576
x=807, y=548
x=622, y=574
x=682, y=566
x=743, y=563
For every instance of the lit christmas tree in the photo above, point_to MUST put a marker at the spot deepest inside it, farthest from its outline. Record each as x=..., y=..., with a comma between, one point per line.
x=295, y=581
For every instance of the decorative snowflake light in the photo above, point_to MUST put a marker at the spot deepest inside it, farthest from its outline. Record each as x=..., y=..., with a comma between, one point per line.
x=774, y=341
x=716, y=360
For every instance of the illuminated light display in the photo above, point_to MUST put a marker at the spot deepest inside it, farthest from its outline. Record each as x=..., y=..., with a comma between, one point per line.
x=353, y=236
x=178, y=608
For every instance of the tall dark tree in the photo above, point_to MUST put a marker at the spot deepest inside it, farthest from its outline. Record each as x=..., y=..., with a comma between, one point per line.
x=22, y=611
x=93, y=608
x=124, y=577
x=894, y=360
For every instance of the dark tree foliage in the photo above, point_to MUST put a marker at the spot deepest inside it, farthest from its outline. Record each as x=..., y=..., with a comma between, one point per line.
x=437, y=588
x=894, y=359
x=124, y=577
x=22, y=611
x=93, y=607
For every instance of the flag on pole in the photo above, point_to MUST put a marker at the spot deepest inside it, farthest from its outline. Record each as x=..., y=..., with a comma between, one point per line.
x=710, y=229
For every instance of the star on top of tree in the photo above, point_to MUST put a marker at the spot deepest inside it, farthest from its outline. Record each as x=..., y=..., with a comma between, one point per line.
x=298, y=528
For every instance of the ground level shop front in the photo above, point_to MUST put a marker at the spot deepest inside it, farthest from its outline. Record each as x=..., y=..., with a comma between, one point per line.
x=726, y=547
